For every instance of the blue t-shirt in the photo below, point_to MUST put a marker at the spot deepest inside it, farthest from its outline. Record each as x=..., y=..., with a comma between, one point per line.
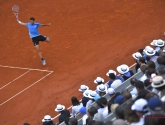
x=33, y=29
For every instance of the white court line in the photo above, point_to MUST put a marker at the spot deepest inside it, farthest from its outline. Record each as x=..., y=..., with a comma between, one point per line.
x=26, y=88
x=14, y=79
x=26, y=68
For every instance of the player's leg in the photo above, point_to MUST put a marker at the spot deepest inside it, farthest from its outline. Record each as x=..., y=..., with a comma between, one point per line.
x=40, y=54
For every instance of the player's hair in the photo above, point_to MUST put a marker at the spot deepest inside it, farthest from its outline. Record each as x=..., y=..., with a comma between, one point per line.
x=32, y=18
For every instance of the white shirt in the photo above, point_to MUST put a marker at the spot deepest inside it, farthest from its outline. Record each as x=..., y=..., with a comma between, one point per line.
x=116, y=83
x=154, y=58
x=84, y=118
x=89, y=103
x=141, y=122
x=75, y=109
x=157, y=48
x=101, y=110
x=143, y=78
x=155, y=91
x=134, y=91
x=105, y=112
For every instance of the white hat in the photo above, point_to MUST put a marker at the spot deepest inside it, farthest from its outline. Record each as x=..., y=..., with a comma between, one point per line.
x=86, y=93
x=140, y=105
x=157, y=82
x=83, y=88
x=92, y=94
x=98, y=80
x=110, y=91
x=158, y=43
x=149, y=51
x=163, y=99
x=123, y=69
x=111, y=71
x=47, y=118
x=136, y=55
x=59, y=108
x=102, y=88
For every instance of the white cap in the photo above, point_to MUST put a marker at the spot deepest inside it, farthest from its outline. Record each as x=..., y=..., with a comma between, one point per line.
x=59, y=108
x=110, y=91
x=136, y=55
x=47, y=118
x=110, y=71
x=98, y=79
x=102, y=88
x=83, y=88
x=139, y=105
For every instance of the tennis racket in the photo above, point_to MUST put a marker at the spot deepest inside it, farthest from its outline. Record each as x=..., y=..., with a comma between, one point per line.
x=15, y=10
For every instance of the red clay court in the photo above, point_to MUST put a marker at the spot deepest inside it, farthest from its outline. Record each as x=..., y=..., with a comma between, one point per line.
x=87, y=39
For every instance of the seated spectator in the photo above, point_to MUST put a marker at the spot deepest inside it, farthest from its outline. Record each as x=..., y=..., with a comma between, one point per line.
x=159, y=83
x=149, y=72
x=119, y=112
x=111, y=74
x=119, y=122
x=143, y=69
x=91, y=112
x=127, y=96
x=151, y=53
x=116, y=82
x=141, y=108
x=67, y=121
x=119, y=99
x=103, y=106
x=159, y=45
x=64, y=113
x=93, y=96
x=82, y=89
x=147, y=85
x=85, y=116
x=134, y=90
x=141, y=61
x=113, y=107
x=76, y=105
x=136, y=56
x=142, y=94
x=99, y=81
x=111, y=92
x=155, y=106
x=125, y=72
x=73, y=121
x=151, y=64
x=109, y=106
x=161, y=71
x=161, y=60
x=139, y=85
x=47, y=120
x=99, y=117
x=101, y=89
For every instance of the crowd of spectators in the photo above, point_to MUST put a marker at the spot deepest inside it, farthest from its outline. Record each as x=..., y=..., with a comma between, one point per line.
x=144, y=104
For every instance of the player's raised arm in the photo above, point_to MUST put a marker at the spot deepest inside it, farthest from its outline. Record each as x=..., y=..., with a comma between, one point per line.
x=45, y=24
x=19, y=20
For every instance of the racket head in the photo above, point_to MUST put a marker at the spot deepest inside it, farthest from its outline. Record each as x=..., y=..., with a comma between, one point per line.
x=15, y=9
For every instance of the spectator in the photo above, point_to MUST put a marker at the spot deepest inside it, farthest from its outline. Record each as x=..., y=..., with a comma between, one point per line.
x=86, y=94
x=67, y=121
x=139, y=85
x=47, y=120
x=112, y=74
x=113, y=107
x=161, y=70
x=151, y=53
x=76, y=105
x=142, y=61
x=119, y=122
x=82, y=89
x=101, y=89
x=125, y=72
x=134, y=90
x=141, y=108
x=91, y=112
x=111, y=92
x=155, y=106
x=109, y=106
x=63, y=113
x=149, y=72
x=73, y=121
x=147, y=85
x=159, y=44
x=143, y=69
x=136, y=56
x=142, y=94
x=99, y=117
x=161, y=60
x=93, y=96
x=127, y=96
x=119, y=99
x=159, y=83
x=103, y=106
x=116, y=82
x=119, y=112
x=99, y=81
x=151, y=64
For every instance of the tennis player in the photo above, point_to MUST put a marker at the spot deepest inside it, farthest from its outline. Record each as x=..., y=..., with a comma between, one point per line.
x=35, y=35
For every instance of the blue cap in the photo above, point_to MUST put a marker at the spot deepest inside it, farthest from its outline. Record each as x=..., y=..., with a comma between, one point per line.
x=155, y=104
x=82, y=110
x=119, y=99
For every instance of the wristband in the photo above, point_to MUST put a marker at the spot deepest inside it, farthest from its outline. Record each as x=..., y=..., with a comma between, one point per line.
x=19, y=21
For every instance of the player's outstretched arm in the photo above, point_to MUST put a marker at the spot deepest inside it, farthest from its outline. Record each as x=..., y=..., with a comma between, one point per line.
x=45, y=24
x=20, y=21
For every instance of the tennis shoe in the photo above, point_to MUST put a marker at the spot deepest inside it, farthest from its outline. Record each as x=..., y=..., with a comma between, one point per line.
x=43, y=62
